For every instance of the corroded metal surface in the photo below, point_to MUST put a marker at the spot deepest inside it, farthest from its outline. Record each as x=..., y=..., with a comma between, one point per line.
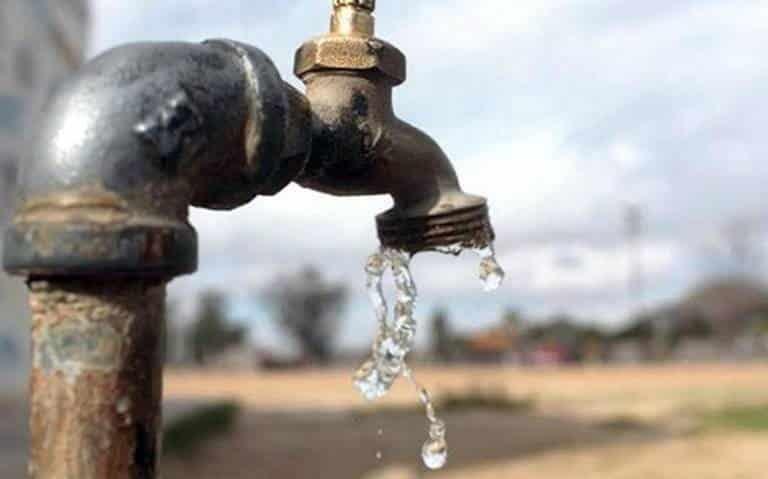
x=351, y=53
x=137, y=136
x=350, y=45
x=361, y=147
x=80, y=250
x=96, y=381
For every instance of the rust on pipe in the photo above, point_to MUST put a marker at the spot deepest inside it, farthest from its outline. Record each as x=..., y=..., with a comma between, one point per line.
x=96, y=383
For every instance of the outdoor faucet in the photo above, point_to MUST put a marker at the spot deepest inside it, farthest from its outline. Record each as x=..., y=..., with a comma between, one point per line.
x=360, y=147
x=147, y=130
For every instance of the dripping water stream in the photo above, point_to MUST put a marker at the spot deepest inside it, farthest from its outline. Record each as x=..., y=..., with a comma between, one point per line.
x=395, y=339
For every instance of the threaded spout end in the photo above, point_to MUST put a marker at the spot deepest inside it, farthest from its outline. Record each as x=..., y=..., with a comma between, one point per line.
x=467, y=227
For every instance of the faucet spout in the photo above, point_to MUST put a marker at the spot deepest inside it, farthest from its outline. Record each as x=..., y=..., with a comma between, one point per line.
x=361, y=147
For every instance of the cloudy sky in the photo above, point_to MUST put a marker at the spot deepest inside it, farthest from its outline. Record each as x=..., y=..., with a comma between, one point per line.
x=561, y=112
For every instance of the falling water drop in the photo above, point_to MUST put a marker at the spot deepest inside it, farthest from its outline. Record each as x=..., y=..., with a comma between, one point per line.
x=375, y=268
x=368, y=381
x=395, y=339
x=434, y=453
x=491, y=272
x=454, y=249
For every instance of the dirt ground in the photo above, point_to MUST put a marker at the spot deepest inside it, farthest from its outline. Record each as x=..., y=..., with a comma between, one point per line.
x=586, y=423
x=727, y=456
x=342, y=446
x=606, y=423
x=642, y=391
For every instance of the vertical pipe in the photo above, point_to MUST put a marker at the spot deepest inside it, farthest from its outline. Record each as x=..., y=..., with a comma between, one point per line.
x=96, y=382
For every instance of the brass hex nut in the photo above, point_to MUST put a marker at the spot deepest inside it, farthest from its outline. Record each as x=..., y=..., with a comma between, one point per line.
x=341, y=52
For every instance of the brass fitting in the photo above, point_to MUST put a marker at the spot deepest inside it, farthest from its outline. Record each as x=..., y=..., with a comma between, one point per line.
x=351, y=45
x=361, y=147
x=353, y=18
x=369, y=5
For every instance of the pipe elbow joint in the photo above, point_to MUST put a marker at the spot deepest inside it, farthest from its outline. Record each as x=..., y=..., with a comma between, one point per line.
x=140, y=134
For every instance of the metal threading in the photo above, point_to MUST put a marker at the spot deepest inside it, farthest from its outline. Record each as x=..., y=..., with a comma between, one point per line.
x=470, y=227
x=369, y=5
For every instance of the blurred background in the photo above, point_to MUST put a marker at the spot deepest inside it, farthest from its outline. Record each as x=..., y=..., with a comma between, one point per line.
x=619, y=145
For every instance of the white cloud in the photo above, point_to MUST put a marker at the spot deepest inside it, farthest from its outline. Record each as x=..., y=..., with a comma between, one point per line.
x=472, y=27
x=587, y=268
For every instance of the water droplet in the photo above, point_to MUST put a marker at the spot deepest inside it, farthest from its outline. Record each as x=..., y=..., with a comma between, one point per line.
x=435, y=453
x=431, y=414
x=394, y=341
x=378, y=455
x=380, y=432
x=491, y=272
x=437, y=429
x=376, y=265
x=369, y=382
x=374, y=269
x=454, y=249
x=395, y=338
x=425, y=397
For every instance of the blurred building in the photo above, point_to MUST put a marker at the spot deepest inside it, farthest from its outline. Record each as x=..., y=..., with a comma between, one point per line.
x=41, y=43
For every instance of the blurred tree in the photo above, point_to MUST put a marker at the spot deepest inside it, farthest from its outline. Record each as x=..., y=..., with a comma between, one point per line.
x=692, y=326
x=640, y=328
x=308, y=308
x=512, y=319
x=742, y=240
x=580, y=339
x=442, y=337
x=727, y=304
x=212, y=332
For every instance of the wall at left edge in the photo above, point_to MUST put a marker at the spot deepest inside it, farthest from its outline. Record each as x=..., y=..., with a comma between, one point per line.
x=41, y=43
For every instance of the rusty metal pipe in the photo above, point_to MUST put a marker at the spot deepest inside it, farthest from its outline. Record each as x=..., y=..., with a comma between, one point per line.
x=140, y=134
x=96, y=381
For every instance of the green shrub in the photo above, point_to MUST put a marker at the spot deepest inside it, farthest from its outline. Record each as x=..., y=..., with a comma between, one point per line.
x=488, y=399
x=749, y=418
x=623, y=423
x=473, y=400
x=186, y=433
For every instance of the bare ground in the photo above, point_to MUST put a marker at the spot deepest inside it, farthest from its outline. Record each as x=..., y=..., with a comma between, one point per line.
x=341, y=446
x=726, y=456
x=572, y=434
x=299, y=425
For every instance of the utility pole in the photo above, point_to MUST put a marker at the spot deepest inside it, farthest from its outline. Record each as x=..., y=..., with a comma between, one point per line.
x=634, y=224
x=743, y=254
